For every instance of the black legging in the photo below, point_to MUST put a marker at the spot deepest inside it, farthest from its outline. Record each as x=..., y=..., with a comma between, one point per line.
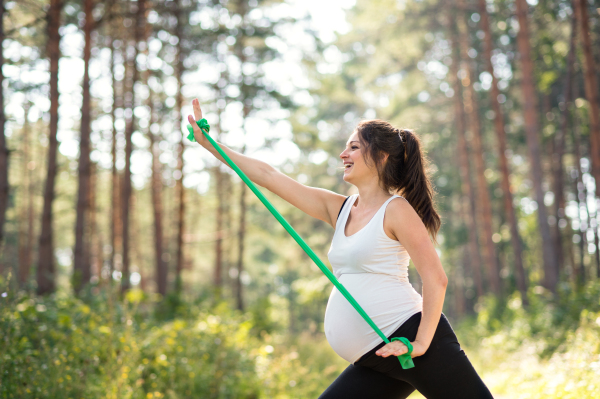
x=444, y=371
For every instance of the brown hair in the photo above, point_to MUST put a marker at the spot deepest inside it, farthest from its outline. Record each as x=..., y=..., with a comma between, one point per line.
x=406, y=169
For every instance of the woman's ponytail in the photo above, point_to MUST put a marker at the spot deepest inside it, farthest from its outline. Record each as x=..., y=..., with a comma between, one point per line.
x=406, y=170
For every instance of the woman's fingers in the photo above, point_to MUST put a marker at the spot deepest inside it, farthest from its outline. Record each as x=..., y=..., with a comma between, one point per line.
x=193, y=123
x=197, y=132
x=393, y=348
x=197, y=110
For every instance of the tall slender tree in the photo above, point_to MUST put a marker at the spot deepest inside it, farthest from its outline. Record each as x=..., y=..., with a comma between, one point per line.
x=591, y=88
x=26, y=222
x=81, y=265
x=509, y=209
x=218, y=266
x=3, y=148
x=139, y=22
x=533, y=143
x=113, y=219
x=161, y=271
x=179, y=70
x=45, y=269
x=468, y=192
x=95, y=257
x=218, y=173
x=471, y=108
x=558, y=142
x=581, y=275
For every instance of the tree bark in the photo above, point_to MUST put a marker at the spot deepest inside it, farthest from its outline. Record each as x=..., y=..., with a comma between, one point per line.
x=81, y=266
x=591, y=89
x=179, y=69
x=45, y=270
x=218, y=267
x=157, y=207
x=219, y=221
x=126, y=191
x=242, y=8
x=533, y=144
x=114, y=187
x=581, y=192
x=26, y=222
x=468, y=193
x=559, y=145
x=240, y=260
x=94, y=251
x=4, y=153
x=471, y=109
x=515, y=237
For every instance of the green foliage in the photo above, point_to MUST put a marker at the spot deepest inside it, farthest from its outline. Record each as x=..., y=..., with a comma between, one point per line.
x=549, y=350
x=61, y=346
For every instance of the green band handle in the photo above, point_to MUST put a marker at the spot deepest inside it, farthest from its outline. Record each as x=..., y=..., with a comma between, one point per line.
x=205, y=128
x=405, y=360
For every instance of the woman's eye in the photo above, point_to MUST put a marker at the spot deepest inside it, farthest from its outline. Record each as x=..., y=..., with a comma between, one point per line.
x=354, y=147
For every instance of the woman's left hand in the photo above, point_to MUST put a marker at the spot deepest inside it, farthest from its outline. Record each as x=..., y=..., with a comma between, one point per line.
x=397, y=348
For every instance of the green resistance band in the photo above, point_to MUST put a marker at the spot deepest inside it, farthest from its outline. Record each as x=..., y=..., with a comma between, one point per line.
x=405, y=360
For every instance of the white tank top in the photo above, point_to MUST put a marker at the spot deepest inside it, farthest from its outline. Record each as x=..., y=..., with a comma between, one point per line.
x=374, y=269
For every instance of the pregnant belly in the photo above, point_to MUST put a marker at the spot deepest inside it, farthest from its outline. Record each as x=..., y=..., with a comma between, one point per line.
x=388, y=302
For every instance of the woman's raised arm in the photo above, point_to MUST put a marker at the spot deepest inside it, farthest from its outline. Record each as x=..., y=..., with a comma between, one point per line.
x=316, y=202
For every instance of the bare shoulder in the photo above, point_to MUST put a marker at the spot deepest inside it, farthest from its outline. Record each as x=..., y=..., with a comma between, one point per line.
x=401, y=221
x=334, y=205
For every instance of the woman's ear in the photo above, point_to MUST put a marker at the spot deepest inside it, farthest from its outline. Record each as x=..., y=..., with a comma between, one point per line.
x=385, y=158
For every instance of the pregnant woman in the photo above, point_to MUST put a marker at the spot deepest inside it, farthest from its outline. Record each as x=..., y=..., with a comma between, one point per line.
x=377, y=232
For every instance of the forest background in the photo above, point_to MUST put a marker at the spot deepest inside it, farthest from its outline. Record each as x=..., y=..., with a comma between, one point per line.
x=133, y=265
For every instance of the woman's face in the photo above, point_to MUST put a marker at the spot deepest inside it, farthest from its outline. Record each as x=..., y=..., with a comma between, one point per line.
x=355, y=168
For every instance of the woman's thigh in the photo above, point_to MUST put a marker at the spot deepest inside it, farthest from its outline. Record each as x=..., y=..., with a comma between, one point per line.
x=357, y=382
x=444, y=371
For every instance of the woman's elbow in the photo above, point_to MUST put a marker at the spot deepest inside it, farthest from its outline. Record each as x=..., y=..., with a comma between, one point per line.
x=438, y=280
x=443, y=280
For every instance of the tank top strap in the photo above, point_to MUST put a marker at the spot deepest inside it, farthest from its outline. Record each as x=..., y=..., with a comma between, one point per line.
x=381, y=212
x=345, y=211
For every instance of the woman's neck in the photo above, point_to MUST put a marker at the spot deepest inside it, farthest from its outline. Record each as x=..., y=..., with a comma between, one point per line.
x=371, y=195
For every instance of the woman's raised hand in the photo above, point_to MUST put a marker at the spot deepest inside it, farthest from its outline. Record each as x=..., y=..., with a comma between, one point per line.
x=192, y=119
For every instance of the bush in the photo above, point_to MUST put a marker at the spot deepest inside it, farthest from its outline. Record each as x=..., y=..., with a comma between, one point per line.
x=60, y=346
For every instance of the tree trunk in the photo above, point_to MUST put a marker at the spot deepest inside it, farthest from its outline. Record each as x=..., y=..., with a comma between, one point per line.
x=94, y=249
x=126, y=191
x=581, y=194
x=533, y=144
x=45, y=270
x=483, y=197
x=591, y=89
x=468, y=192
x=81, y=266
x=242, y=8
x=559, y=145
x=179, y=69
x=219, y=221
x=26, y=222
x=228, y=252
x=4, y=186
x=515, y=237
x=114, y=187
x=240, y=260
x=161, y=265
x=218, y=267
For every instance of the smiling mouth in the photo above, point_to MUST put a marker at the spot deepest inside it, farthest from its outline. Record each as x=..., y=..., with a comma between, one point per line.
x=348, y=166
